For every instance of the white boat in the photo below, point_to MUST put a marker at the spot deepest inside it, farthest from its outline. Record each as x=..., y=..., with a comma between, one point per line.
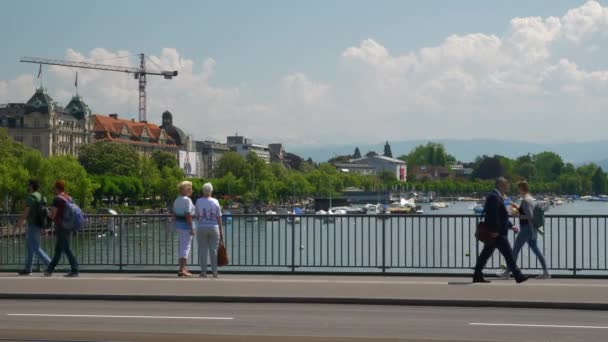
x=419, y=212
x=338, y=211
x=439, y=205
x=372, y=209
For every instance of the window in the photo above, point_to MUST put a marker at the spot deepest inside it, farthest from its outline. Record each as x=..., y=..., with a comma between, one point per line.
x=36, y=123
x=19, y=138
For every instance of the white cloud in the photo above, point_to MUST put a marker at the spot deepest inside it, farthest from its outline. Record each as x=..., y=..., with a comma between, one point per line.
x=528, y=83
x=17, y=89
x=298, y=89
x=482, y=85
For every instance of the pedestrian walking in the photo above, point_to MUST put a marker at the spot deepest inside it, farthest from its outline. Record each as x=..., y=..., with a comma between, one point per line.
x=184, y=211
x=209, y=227
x=34, y=214
x=57, y=214
x=528, y=234
x=495, y=215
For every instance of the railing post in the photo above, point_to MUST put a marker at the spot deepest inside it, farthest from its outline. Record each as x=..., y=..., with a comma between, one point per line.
x=120, y=237
x=574, y=257
x=383, y=246
x=293, y=244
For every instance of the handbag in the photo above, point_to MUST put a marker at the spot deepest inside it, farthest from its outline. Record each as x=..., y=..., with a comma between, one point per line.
x=486, y=233
x=222, y=254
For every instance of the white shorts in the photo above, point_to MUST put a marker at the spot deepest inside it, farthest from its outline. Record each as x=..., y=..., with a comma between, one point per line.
x=185, y=243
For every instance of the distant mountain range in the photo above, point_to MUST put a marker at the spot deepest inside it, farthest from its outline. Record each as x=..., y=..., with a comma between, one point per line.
x=467, y=150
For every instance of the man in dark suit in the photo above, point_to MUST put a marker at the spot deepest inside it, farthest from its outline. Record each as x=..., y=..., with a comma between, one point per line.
x=496, y=215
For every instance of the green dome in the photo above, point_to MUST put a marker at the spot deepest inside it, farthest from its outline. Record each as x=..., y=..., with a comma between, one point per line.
x=39, y=102
x=77, y=108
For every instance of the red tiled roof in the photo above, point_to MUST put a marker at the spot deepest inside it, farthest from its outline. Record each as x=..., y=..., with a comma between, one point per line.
x=109, y=126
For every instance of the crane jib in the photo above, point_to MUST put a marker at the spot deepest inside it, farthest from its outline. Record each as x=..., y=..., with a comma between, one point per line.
x=138, y=73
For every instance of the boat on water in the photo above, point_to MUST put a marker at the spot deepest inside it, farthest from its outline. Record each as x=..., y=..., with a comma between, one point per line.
x=346, y=210
x=439, y=205
x=373, y=209
x=271, y=215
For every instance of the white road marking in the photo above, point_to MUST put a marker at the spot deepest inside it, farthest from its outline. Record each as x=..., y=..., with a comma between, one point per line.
x=120, y=316
x=554, y=326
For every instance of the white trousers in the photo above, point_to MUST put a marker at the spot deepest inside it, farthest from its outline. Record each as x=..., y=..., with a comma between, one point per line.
x=208, y=242
x=185, y=243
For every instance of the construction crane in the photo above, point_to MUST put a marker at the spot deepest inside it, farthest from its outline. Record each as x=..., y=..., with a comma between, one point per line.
x=138, y=73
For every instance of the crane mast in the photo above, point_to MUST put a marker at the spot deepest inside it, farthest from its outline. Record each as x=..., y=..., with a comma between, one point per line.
x=139, y=73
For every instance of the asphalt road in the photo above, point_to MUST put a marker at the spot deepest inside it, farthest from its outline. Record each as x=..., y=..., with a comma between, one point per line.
x=23, y=320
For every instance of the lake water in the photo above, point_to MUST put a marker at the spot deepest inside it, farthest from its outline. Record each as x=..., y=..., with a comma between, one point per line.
x=440, y=241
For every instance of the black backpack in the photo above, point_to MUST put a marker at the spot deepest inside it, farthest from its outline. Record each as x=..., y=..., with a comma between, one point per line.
x=43, y=211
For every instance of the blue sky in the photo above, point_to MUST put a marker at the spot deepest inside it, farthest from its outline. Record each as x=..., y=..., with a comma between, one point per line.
x=260, y=48
x=255, y=41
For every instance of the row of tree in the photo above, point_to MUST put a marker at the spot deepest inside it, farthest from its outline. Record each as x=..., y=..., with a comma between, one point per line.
x=115, y=173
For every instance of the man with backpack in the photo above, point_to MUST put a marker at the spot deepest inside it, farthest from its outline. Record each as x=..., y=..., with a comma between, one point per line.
x=35, y=216
x=62, y=208
x=531, y=218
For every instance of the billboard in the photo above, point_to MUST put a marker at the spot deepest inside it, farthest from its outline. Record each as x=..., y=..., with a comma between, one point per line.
x=188, y=163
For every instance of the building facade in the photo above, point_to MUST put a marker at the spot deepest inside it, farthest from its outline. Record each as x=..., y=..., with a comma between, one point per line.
x=277, y=153
x=42, y=124
x=244, y=146
x=210, y=155
x=382, y=163
x=144, y=137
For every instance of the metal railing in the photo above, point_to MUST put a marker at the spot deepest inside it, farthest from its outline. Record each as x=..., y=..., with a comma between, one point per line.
x=389, y=244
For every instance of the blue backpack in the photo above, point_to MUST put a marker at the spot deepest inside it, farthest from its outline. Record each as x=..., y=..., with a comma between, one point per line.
x=73, y=217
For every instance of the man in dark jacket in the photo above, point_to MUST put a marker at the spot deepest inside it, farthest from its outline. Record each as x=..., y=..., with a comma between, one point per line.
x=496, y=215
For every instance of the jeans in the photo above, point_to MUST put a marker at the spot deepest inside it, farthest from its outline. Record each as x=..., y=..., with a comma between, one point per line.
x=33, y=248
x=503, y=246
x=63, y=246
x=528, y=235
x=208, y=242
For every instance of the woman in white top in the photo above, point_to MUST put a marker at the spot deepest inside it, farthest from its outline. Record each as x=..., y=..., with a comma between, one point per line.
x=209, y=227
x=184, y=211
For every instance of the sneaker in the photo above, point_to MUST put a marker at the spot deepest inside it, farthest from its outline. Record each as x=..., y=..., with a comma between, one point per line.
x=24, y=273
x=216, y=275
x=506, y=275
x=72, y=275
x=48, y=274
x=521, y=279
x=203, y=275
x=544, y=276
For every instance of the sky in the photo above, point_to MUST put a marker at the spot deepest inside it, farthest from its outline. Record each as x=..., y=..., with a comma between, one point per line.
x=315, y=73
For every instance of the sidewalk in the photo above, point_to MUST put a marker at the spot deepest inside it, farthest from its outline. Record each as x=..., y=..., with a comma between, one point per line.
x=361, y=290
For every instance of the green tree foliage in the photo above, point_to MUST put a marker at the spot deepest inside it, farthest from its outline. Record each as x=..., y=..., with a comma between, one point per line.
x=431, y=154
x=599, y=181
x=231, y=162
x=548, y=166
x=78, y=184
x=164, y=159
x=488, y=168
x=357, y=154
x=109, y=158
x=340, y=159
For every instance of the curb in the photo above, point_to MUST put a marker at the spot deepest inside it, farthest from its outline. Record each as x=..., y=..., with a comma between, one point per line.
x=313, y=300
